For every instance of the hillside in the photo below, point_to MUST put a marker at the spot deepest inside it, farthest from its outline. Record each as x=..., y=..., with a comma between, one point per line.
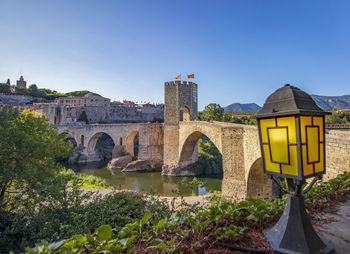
x=242, y=107
x=331, y=102
x=15, y=95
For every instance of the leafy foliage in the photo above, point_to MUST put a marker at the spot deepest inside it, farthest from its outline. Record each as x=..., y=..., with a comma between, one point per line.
x=80, y=93
x=320, y=197
x=338, y=117
x=210, y=159
x=92, y=182
x=5, y=88
x=215, y=112
x=39, y=94
x=28, y=150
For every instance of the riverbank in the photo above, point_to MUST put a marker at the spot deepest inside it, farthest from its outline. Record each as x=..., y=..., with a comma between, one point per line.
x=191, y=200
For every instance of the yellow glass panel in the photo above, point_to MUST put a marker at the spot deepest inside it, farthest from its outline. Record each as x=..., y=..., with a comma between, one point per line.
x=319, y=167
x=264, y=123
x=307, y=168
x=318, y=121
x=270, y=166
x=304, y=120
x=278, y=144
x=312, y=144
x=290, y=122
x=292, y=168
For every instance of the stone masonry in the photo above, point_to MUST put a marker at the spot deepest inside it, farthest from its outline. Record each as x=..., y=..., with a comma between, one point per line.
x=150, y=139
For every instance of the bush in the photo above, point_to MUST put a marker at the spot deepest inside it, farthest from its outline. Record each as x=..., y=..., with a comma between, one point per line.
x=93, y=182
x=71, y=212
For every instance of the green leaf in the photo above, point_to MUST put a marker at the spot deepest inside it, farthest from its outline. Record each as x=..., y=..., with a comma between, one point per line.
x=204, y=224
x=127, y=241
x=89, y=239
x=145, y=218
x=161, y=246
x=56, y=245
x=157, y=241
x=116, y=248
x=162, y=223
x=79, y=240
x=104, y=232
x=253, y=217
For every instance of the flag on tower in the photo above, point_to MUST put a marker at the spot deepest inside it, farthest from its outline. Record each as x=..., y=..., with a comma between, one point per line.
x=190, y=76
x=178, y=77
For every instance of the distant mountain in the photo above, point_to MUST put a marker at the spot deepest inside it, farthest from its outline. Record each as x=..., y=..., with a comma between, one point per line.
x=331, y=102
x=242, y=107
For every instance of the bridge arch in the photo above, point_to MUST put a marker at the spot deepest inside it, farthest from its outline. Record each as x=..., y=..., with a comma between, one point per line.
x=93, y=141
x=70, y=138
x=258, y=185
x=130, y=142
x=189, y=148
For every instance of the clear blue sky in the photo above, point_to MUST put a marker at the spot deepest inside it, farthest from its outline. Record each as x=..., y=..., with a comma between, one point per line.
x=239, y=51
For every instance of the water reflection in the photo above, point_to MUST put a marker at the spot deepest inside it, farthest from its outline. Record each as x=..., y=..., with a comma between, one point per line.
x=151, y=182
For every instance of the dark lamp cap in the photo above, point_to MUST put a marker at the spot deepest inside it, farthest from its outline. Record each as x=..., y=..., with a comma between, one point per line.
x=289, y=100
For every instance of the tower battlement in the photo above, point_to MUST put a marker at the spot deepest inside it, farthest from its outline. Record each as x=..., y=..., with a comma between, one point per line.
x=180, y=102
x=178, y=82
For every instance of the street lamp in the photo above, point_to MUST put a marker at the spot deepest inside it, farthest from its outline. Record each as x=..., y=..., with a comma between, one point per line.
x=292, y=140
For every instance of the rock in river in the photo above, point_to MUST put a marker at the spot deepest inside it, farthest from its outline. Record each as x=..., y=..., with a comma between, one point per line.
x=117, y=150
x=137, y=166
x=120, y=162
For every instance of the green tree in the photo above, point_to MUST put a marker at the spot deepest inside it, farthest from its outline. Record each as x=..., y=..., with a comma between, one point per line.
x=21, y=91
x=335, y=118
x=28, y=150
x=5, y=88
x=33, y=87
x=210, y=159
x=83, y=117
x=227, y=117
x=213, y=112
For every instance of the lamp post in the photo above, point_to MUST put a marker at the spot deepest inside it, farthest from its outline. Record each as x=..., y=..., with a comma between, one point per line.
x=292, y=139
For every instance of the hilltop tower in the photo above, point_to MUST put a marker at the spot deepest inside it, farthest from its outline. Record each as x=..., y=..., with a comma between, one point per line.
x=21, y=83
x=180, y=104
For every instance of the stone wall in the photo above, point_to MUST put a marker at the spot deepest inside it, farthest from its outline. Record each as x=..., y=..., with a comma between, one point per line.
x=120, y=113
x=337, y=153
x=54, y=113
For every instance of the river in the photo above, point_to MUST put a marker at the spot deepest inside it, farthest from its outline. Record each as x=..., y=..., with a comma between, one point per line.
x=153, y=182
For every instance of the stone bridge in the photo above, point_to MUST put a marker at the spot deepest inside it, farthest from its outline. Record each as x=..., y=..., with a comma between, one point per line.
x=241, y=158
x=239, y=145
x=150, y=139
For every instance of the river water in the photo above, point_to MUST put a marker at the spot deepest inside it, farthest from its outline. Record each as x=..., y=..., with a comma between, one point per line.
x=153, y=182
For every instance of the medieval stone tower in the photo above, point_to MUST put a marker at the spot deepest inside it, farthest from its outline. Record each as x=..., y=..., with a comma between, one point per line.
x=180, y=104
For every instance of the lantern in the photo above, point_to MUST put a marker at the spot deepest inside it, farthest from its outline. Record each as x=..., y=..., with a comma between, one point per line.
x=292, y=140
x=291, y=130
